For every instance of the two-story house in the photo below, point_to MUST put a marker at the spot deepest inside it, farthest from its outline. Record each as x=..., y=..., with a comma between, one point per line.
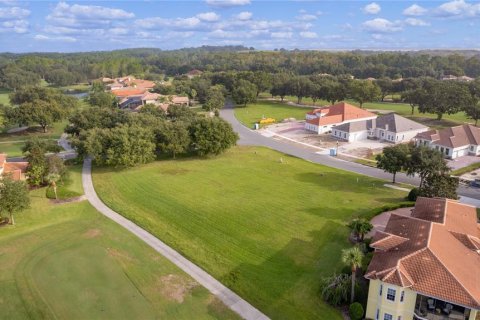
x=427, y=265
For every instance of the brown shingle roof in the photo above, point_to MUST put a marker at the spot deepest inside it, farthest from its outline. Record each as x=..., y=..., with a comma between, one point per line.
x=439, y=256
x=453, y=137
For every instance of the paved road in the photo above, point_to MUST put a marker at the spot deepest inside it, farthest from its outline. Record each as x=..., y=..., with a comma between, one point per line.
x=229, y=298
x=250, y=137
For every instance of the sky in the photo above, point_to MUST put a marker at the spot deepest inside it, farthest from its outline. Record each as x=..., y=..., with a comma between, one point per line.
x=70, y=26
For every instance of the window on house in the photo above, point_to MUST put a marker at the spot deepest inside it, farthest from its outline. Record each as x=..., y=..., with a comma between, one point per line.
x=402, y=296
x=381, y=289
x=397, y=138
x=383, y=134
x=391, y=294
x=387, y=316
x=441, y=149
x=424, y=143
x=436, y=147
x=471, y=148
x=447, y=151
x=378, y=314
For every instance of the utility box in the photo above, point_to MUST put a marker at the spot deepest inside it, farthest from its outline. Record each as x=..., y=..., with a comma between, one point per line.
x=333, y=152
x=256, y=126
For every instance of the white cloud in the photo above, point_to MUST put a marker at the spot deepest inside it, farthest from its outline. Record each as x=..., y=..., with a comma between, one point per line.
x=208, y=16
x=308, y=35
x=9, y=2
x=307, y=17
x=16, y=26
x=64, y=12
x=380, y=25
x=415, y=10
x=281, y=35
x=416, y=22
x=245, y=15
x=227, y=3
x=13, y=13
x=162, y=23
x=458, y=8
x=42, y=37
x=372, y=8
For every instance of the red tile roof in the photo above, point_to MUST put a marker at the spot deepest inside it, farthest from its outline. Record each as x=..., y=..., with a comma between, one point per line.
x=121, y=93
x=434, y=252
x=339, y=113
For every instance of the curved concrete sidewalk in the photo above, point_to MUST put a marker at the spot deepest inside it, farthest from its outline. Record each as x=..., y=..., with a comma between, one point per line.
x=227, y=296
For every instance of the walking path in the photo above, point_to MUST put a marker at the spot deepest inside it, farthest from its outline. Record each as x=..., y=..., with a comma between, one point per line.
x=228, y=297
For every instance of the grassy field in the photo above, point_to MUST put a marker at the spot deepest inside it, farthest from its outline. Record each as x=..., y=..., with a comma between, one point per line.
x=66, y=261
x=255, y=112
x=266, y=228
x=4, y=96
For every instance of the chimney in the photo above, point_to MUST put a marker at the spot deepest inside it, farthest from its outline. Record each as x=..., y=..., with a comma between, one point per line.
x=386, y=127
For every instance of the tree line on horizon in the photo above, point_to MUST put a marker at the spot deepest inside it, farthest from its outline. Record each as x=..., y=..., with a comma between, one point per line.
x=63, y=69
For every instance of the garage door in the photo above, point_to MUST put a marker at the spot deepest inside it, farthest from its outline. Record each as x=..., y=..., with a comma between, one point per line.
x=461, y=152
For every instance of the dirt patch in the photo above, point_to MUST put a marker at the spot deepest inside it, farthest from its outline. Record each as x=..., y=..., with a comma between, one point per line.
x=69, y=200
x=119, y=254
x=92, y=233
x=175, y=171
x=175, y=288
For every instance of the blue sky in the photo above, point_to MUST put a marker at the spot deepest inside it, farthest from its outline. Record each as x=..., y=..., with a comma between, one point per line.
x=68, y=26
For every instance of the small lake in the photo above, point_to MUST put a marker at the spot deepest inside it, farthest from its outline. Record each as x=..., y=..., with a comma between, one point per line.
x=78, y=95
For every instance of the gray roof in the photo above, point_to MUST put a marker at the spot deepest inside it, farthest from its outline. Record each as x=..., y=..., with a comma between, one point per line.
x=394, y=122
x=397, y=123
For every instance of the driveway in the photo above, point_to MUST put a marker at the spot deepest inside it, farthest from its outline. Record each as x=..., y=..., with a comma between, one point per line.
x=462, y=162
x=252, y=138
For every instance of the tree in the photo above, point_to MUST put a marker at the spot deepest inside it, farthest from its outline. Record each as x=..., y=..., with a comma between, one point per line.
x=55, y=165
x=363, y=91
x=334, y=289
x=102, y=99
x=212, y=136
x=52, y=179
x=386, y=87
x=45, y=145
x=215, y=99
x=414, y=97
x=153, y=110
x=445, y=97
x=352, y=257
x=181, y=113
x=424, y=162
x=37, y=166
x=262, y=80
x=43, y=106
x=244, y=92
x=393, y=159
x=123, y=145
x=473, y=111
x=335, y=91
x=13, y=197
x=360, y=227
x=300, y=87
x=172, y=138
x=280, y=85
x=440, y=185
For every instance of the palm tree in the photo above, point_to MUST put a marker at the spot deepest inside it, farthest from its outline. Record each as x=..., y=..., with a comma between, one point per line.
x=360, y=227
x=353, y=257
x=52, y=179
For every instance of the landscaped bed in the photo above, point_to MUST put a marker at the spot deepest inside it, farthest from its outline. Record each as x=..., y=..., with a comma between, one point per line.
x=267, y=225
x=66, y=261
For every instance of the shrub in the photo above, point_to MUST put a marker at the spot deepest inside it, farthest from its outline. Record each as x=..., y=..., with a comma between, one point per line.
x=335, y=290
x=355, y=311
x=413, y=194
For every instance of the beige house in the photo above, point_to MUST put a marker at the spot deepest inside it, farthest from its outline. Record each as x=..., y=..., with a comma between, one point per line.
x=427, y=265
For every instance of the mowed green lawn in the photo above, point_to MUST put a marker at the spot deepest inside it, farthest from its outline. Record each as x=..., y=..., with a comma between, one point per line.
x=253, y=113
x=266, y=228
x=66, y=261
x=4, y=99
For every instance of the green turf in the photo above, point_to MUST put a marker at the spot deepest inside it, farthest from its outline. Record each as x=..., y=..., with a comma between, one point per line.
x=12, y=149
x=68, y=262
x=53, y=132
x=255, y=112
x=4, y=99
x=268, y=229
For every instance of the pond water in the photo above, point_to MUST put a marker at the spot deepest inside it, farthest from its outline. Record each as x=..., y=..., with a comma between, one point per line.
x=78, y=95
